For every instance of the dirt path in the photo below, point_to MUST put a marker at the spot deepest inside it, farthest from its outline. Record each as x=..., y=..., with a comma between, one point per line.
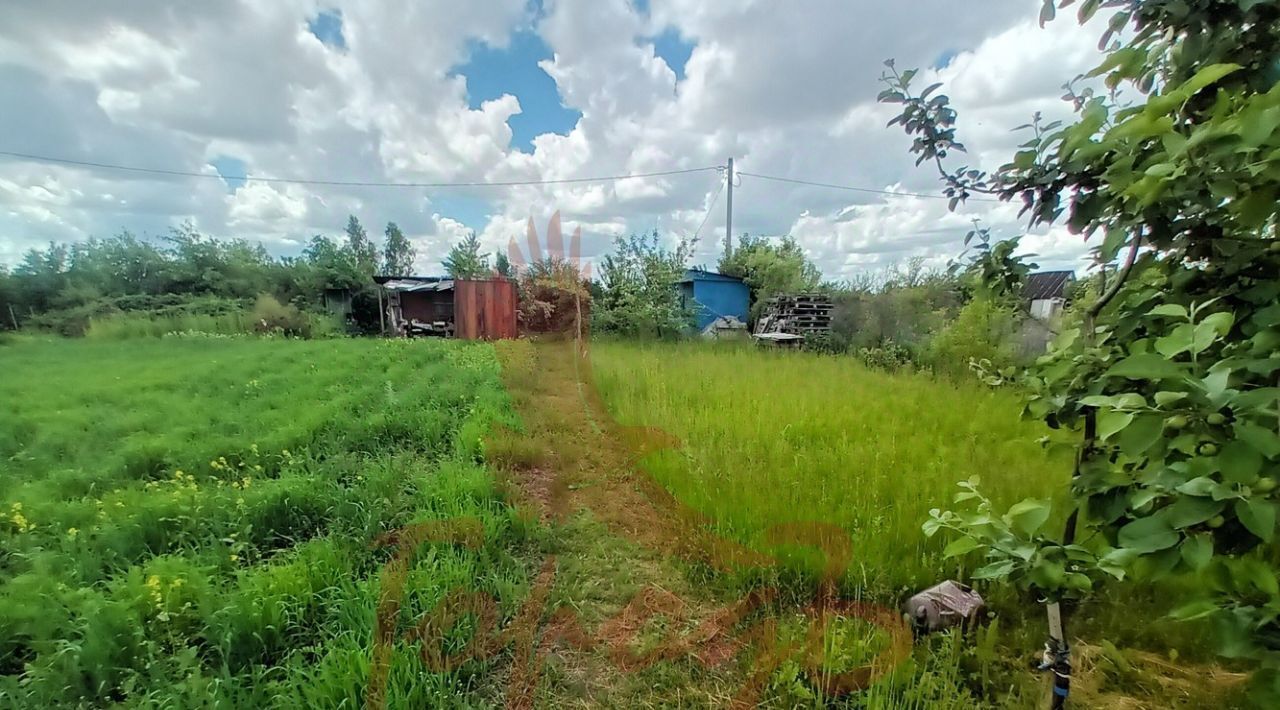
x=619, y=623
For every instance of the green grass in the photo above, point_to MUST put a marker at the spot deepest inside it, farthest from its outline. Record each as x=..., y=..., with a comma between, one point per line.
x=123, y=326
x=772, y=438
x=186, y=522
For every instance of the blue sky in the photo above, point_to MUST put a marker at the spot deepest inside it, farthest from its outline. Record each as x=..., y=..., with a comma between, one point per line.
x=491, y=72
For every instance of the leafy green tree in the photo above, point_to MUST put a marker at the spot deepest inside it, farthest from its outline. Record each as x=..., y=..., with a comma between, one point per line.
x=992, y=270
x=639, y=295
x=770, y=268
x=397, y=252
x=464, y=260
x=363, y=250
x=1170, y=383
x=502, y=265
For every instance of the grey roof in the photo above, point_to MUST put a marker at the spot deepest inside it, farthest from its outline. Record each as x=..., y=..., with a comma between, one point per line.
x=1047, y=284
x=417, y=285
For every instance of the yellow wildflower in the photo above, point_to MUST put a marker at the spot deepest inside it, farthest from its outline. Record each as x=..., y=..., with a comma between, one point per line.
x=72, y=532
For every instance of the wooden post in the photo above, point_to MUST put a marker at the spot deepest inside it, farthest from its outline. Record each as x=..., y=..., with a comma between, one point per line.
x=728, y=212
x=382, y=315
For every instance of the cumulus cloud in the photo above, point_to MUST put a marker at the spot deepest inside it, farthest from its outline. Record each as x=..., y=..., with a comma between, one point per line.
x=788, y=89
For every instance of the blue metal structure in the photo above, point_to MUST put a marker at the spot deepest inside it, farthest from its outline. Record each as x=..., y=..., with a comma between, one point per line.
x=710, y=295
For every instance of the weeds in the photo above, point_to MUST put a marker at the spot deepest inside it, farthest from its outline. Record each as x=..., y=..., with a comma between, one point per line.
x=189, y=522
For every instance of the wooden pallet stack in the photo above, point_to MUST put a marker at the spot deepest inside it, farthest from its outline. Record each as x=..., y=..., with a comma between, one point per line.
x=798, y=314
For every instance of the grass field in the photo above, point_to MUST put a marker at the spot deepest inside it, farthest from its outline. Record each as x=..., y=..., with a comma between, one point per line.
x=769, y=439
x=212, y=521
x=191, y=522
x=776, y=438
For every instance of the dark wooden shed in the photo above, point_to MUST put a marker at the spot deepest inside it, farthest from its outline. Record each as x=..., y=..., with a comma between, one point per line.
x=471, y=309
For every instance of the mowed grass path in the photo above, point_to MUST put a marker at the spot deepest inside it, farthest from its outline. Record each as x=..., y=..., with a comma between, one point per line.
x=782, y=437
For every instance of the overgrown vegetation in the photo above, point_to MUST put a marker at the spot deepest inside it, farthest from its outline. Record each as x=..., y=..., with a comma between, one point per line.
x=195, y=521
x=773, y=441
x=638, y=294
x=770, y=267
x=1167, y=392
x=190, y=281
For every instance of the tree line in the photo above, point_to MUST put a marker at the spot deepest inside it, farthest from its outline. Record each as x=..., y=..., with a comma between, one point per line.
x=63, y=287
x=905, y=316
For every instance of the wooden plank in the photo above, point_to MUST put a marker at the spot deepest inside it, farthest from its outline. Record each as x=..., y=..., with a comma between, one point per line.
x=485, y=309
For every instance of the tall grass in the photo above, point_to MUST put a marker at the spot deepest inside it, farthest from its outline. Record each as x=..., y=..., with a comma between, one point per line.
x=122, y=326
x=191, y=523
x=772, y=438
x=146, y=325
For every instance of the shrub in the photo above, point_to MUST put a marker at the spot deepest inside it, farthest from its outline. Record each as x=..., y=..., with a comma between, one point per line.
x=982, y=330
x=889, y=356
x=272, y=316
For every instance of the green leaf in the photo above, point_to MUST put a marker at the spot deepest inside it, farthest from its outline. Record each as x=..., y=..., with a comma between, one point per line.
x=1160, y=170
x=961, y=546
x=1164, y=399
x=1258, y=515
x=1098, y=400
x=1141, y=434
x=1028, y=515
x=1177, y=341
x=1148, y=534
x=1266, y=441
x=1172, y=310
x=1048, y=574
x=1111, y=421
x=1194, y=610
x=1207, y=76
x=1240, y=462
x=1256, y=207
x=1047, y=12
x=1197, y=550
x=995, y=570
x=1190, y=510
x=1202, y=486
x=1210, y=329
x=1145, y=366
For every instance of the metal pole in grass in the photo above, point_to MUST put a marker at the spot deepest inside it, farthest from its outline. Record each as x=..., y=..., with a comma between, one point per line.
x=1057, y=652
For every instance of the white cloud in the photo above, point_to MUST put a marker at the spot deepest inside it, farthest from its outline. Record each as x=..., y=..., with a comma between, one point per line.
x=786, y=88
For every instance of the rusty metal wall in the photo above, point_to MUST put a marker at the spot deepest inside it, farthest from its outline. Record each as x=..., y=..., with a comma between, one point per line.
x=484, y=309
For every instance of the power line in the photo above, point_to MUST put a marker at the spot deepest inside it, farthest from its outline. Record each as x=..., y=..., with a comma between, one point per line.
x=858, y=189
x=705, y=217
x=346, y=183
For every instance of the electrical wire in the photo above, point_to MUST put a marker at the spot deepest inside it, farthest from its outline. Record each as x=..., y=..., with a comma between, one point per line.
x=857, y=189
x=346, y=183
x=710, y=207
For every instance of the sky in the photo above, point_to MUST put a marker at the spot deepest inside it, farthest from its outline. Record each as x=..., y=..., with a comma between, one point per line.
x=436, y=91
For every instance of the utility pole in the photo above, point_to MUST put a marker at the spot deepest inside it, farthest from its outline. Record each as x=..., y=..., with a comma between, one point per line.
x=728, y=213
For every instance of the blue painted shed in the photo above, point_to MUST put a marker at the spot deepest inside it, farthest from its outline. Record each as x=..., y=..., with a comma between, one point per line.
x=710, y=295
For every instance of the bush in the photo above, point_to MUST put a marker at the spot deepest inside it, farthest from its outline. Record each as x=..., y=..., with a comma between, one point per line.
x=825, y=343
x=271, y=316
x=890, y=356
x=982, y=330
